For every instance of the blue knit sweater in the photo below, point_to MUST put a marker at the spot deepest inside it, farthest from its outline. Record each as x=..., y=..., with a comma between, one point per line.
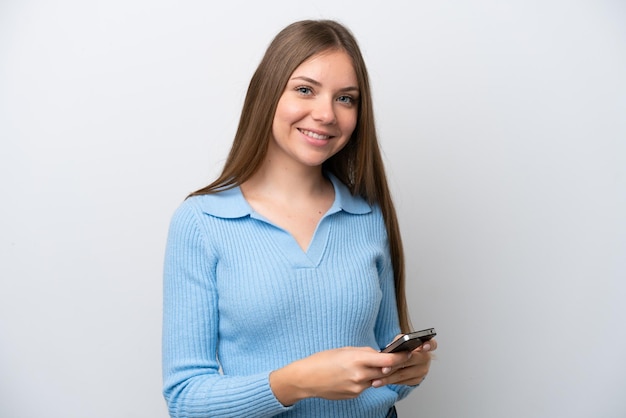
x=242, y=299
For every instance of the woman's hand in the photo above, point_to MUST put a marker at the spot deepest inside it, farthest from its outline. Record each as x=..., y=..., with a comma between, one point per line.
x=342, y=373
x=413, y=371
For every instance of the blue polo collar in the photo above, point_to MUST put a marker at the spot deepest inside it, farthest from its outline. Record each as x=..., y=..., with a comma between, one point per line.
x=232, y=204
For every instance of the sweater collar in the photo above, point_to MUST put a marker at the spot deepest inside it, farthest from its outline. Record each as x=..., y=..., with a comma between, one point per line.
x=232, y=204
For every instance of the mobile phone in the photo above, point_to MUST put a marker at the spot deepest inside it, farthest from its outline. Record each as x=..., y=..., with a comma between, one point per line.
x=409, y=342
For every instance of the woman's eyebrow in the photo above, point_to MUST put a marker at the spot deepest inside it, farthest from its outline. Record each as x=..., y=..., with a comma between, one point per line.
x=317, y=83
x=308, y=80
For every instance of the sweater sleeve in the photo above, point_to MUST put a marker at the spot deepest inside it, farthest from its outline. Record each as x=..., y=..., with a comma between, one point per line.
x=193, y=385
x=388, y=324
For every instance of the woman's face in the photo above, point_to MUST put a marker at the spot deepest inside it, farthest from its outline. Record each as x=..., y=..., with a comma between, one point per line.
x=317, y=112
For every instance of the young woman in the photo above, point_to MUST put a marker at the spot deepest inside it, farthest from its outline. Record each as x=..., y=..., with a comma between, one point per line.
x=284, y=277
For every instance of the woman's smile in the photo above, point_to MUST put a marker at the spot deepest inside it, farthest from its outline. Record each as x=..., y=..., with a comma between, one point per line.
x=314, y=135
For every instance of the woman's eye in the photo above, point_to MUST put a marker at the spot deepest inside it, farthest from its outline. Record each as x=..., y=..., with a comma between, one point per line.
x=345, y=99
x=304, y=90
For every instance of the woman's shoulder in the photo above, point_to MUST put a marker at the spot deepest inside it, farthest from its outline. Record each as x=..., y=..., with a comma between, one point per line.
x=204, y=212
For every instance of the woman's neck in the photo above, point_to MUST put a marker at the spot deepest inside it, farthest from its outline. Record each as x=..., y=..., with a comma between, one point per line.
x=286, y=183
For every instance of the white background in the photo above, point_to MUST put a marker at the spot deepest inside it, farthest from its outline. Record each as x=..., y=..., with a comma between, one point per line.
x=503, y=125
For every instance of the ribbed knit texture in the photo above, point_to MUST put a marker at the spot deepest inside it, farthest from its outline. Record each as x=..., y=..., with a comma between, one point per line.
x=240, y=294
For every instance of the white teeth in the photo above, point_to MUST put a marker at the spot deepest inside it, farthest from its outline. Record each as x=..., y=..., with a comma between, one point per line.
x=314, y=135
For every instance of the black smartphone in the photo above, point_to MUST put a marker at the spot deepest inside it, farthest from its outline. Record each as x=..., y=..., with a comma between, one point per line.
x=409, y=342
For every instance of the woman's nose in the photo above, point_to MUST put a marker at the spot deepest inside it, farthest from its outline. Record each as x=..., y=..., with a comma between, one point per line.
x=324, y=111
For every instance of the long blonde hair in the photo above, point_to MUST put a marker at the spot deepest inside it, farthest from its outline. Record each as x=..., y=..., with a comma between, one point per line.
x=358, y=165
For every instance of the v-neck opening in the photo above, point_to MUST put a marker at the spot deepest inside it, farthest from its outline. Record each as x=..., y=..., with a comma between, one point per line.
x=312, y=256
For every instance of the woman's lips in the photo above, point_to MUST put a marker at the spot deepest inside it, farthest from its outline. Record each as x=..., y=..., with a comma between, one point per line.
x=315, y=135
